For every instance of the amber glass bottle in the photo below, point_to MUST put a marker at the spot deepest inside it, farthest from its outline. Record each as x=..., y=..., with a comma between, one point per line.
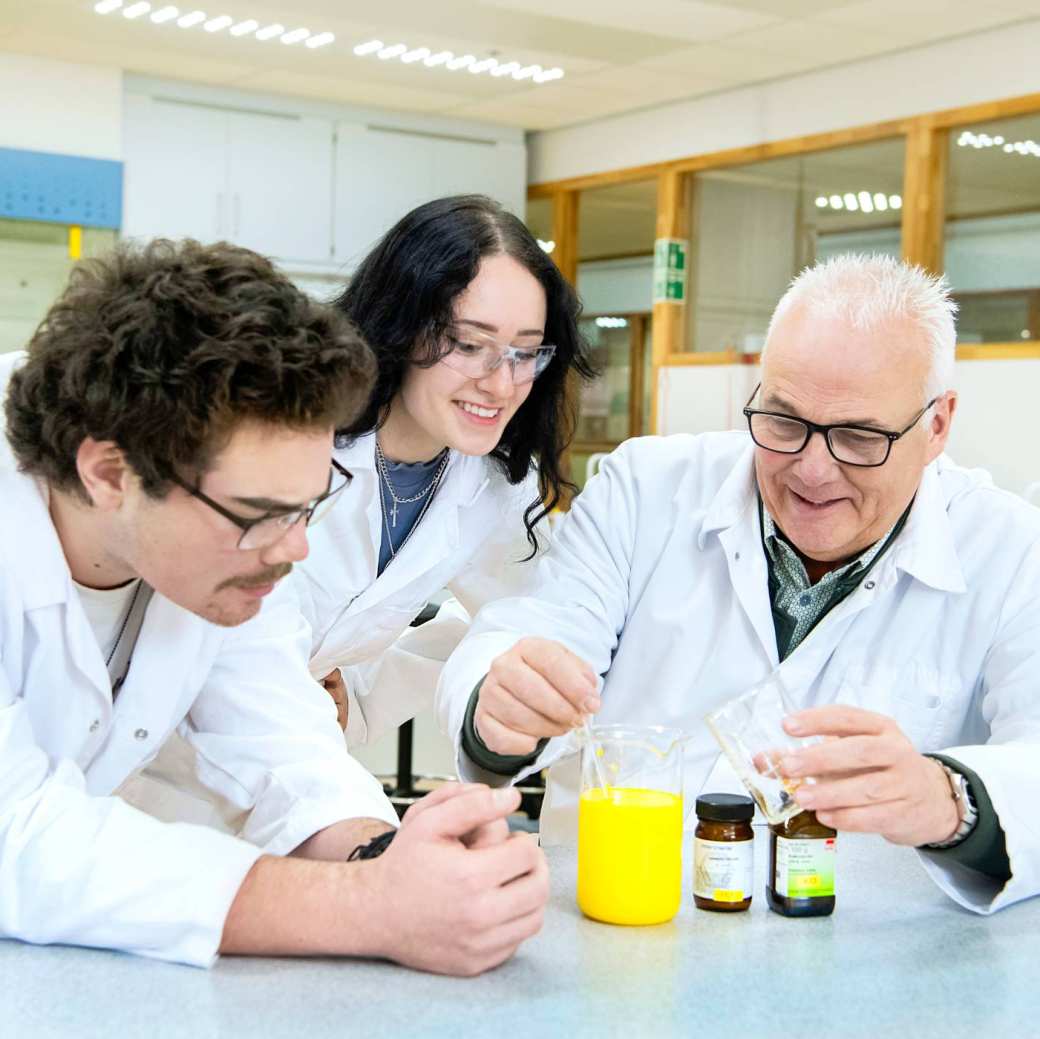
x=801, y=867
x=724, y=852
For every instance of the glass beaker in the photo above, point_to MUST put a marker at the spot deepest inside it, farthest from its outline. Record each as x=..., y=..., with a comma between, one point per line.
x=630, y=830
x=750, y=731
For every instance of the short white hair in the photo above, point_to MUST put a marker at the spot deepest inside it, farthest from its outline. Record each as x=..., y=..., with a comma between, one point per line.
x=870, y=291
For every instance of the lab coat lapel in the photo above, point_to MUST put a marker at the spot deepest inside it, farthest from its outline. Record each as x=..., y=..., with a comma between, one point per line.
x=173, y=651
x=733, y=518
x=437, y=535
x=41, y=573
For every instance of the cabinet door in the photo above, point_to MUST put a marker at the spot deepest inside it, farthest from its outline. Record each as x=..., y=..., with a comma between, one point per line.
x=175, y=176
x=496, y=169
x=280, y=185
x=380, y=176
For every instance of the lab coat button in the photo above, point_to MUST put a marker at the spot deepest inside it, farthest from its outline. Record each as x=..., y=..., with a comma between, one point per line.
x=736, y=556
x=141, y=734
x=94, y=725
x=869, y=586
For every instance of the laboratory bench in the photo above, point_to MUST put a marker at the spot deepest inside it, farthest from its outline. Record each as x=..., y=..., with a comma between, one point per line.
x=898, y=957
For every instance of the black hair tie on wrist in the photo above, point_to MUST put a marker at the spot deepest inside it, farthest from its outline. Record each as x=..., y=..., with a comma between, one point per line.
x=373, y=849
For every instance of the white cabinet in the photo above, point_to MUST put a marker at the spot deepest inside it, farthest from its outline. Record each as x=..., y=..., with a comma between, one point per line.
x=260, y=180
x=175, y=172
x=383, y=173
x=280, y=185
x=313, y=187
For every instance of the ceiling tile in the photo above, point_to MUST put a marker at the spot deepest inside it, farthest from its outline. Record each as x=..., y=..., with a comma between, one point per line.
x=678, y=19
x=919, y=21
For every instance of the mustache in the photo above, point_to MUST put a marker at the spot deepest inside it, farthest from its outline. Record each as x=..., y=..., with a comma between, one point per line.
x=271, y=575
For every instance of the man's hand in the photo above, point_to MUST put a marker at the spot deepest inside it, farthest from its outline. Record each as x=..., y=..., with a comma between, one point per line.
x=869, y=778
x=455, y=893
x=337, y=689
x=535, y=690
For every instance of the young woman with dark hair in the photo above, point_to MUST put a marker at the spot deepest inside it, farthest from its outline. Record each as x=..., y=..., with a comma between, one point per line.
x=456, y=459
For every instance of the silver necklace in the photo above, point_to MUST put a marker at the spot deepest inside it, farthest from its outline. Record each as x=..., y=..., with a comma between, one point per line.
x=381, y=461
x=418, y=519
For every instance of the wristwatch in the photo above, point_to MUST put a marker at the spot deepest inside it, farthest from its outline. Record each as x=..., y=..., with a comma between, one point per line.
x=960, y=789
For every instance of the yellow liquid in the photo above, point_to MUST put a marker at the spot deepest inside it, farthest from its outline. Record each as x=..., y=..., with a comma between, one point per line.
x=630, y=855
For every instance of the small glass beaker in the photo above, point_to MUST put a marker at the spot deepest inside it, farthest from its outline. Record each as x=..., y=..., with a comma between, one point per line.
x=750, y=731
x=630, y=824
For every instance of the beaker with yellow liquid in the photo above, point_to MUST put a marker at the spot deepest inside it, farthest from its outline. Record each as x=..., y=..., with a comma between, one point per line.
x=630, y=824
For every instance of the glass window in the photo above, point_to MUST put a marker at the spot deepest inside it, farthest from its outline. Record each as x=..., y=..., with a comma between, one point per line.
x=616, y=229
x=754, y=227
x=992, y=239
x=34, y=268
x=539, y=220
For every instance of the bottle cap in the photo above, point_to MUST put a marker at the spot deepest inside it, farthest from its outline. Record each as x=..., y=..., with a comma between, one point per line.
x=725, y=808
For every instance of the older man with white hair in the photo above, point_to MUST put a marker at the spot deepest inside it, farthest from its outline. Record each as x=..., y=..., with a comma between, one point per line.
x=897, y=595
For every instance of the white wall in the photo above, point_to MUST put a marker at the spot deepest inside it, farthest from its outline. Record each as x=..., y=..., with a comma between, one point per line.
x=983, y=66
x=617, y=286
x=56, y=106
x=994, y=428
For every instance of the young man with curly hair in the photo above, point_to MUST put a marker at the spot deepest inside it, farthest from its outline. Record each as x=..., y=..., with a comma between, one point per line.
x=169, y=436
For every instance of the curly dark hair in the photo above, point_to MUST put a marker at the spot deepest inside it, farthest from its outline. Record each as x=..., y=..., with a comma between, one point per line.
x=402, y=298
x=164, y=348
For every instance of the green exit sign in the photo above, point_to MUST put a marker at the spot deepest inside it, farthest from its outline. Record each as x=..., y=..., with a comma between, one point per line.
x=670, y=268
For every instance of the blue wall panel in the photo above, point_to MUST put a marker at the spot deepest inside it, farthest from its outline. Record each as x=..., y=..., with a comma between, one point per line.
x=60, y=189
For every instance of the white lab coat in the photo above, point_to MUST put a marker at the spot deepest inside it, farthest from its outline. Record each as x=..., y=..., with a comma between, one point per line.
x=472, y=542
x=80, y=866
x=658, y=579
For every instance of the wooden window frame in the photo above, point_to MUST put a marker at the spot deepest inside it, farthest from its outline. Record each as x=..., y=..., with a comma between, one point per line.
x=923, y=213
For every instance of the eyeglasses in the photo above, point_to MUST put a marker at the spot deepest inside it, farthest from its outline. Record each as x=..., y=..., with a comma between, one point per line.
x=476, y=356
x=267, y=530
x=862, y=446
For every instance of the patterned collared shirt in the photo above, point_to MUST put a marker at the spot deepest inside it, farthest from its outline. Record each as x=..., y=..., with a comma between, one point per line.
x=800, y=602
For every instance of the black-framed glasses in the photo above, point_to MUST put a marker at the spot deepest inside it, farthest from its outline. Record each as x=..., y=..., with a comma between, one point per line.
x=863, y=446
x=265, y=531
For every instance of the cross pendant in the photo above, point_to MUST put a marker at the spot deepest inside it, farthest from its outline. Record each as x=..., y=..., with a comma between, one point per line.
x=393, y=515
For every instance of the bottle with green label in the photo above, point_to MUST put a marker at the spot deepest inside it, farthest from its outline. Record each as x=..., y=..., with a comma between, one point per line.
x=802, y=852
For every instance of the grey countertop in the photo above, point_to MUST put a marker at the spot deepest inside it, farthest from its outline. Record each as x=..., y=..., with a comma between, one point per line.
x=897, y=957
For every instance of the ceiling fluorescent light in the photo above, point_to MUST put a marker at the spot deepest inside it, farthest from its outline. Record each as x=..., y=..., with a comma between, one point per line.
x=895, y=202
x=222, y=21
x=527, y=72
x=244, y=28
x=415, y=55
x=507, y=69
x=187, y=21
x=821, y=202
x=880, y=202
x=136, y=10
x=269, y=32
x=165, y=14
x=836, y=202
x=460, y=63
x=866, y=202
x=438, y=59
x=483, y=66
x=392, y=52
x=296, y=36
x=368, y=48
x=851, y=202
x=108, y=6
x=323, y=39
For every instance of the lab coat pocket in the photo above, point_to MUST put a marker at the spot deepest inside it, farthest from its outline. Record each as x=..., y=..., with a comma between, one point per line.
x=914, y=696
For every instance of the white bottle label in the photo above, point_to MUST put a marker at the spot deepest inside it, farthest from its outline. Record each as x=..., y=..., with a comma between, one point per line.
x=723, y=871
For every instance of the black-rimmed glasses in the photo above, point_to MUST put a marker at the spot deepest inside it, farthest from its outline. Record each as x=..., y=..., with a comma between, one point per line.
x=862, y=446
x=267, y=530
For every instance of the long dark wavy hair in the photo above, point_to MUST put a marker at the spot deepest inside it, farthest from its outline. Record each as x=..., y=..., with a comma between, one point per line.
x=402, y=299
